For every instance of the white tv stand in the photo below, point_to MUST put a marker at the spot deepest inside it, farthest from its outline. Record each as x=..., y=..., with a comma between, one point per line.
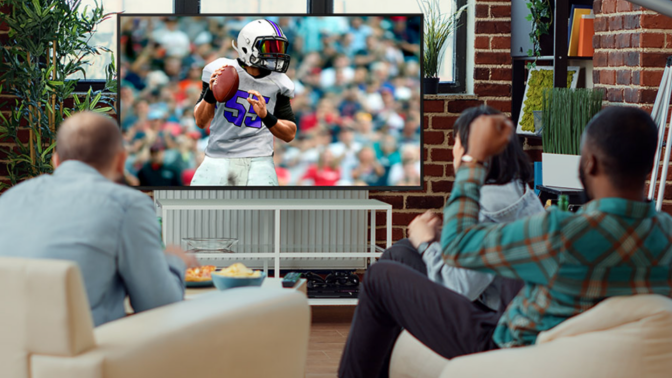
x=278, y=205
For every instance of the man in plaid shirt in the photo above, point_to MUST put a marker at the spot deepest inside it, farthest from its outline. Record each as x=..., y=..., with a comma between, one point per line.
x=617, y=244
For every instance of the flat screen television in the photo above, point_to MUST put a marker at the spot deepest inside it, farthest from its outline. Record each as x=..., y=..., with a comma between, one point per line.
x=342, y=101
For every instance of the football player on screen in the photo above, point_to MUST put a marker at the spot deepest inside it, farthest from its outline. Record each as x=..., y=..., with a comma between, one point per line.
x=242, y=129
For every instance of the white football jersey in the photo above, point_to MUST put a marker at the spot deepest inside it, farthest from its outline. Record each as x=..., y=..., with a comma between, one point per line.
x=236, y=130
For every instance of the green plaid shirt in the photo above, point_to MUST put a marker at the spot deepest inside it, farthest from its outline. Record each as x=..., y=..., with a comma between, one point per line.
x=569, y=262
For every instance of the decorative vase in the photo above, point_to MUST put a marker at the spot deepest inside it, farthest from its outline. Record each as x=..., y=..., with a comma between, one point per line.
x=431, y=85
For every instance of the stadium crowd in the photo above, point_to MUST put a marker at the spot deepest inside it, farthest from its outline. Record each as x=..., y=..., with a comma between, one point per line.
x=357, y=96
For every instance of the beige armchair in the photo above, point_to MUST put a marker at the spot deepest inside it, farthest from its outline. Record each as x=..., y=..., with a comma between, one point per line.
x=46, y=331
x=622, y=337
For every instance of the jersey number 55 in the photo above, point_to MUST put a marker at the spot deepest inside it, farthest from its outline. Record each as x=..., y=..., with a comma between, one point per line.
x=238, y=111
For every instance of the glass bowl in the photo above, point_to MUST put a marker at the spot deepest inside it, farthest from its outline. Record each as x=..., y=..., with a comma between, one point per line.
x=210, y=245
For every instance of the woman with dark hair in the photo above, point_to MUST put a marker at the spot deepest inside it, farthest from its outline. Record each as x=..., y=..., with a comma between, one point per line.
x=473, y=295
x=505, y=197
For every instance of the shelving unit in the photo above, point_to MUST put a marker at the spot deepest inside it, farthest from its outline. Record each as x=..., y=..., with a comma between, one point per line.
x=558, y=56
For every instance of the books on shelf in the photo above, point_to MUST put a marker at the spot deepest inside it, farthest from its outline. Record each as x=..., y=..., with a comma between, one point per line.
x=575, y=27
x=586, y=33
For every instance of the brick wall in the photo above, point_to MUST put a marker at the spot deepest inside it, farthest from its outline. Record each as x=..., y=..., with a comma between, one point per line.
x=631, y=48
x=492, y=86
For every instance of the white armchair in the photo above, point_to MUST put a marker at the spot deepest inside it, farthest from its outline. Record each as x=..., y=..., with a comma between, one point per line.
x=47, y=332
x=622, y=337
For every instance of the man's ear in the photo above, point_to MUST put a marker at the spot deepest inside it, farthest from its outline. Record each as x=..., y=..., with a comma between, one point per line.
x=591, y=167
x=120, y=164
x=55, y=160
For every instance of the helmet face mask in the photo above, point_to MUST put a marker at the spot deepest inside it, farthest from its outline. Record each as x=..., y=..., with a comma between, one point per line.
x=262, y=44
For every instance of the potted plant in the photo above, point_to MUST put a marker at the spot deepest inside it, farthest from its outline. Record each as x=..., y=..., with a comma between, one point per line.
x=566, y=112
x=438, y=27
x=48, y=42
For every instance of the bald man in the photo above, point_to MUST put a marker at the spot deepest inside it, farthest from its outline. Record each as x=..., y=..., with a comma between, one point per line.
x=79, y=213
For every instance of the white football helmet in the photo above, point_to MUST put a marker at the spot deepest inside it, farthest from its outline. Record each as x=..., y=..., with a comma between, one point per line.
x=262, y=44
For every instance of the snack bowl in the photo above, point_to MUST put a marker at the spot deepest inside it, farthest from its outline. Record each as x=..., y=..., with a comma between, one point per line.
x=225, y=282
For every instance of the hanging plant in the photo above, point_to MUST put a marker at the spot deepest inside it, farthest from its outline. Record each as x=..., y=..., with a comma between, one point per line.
x=541, y=17
x=48, y=42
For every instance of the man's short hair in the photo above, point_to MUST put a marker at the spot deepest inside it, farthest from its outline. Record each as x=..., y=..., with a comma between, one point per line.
x=625, y=140
x=89, y=137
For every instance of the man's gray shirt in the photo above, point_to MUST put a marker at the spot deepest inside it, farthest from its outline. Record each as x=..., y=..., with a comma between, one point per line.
x=109, y=230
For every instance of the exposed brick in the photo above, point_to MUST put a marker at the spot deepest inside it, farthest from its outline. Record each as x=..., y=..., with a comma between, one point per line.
x=484, y=89
x=622, y=78
x=639, y=95
x=608, y=6
x=651, y=78
x=397, y=202
x=632, y=59
x=623, y=41
x=635, y=77
x=534, y=142
x=443, y=122
x=433, y=170
x=433, y=137
x=616, y=58
x=600, y=24
x=608, y=41
x=3, y=169
x=655, y=21
x=623, y=6
x=441, y=154
x=655, y=40
x=615, y=23
x=500, y=11
x=493, y=27
x=500, y=74
x=615, y=94
x=433, y=106
x=482, y=42
x=442, y=186
x=381, y=234
x=403, y=218
x=608, y=77
x=482, y=11
x=458, y=106
x=601, y=59
x=481, y=74
x=654, y=59
x=502, y=106
x=501, y=43
x=631, y=21
x=450, y=170
x=424, y=202
x=492, y=57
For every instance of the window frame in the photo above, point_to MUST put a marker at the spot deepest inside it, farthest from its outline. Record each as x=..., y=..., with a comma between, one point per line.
x=327, y=7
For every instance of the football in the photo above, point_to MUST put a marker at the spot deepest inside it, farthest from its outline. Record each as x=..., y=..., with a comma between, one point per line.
x=225, y=85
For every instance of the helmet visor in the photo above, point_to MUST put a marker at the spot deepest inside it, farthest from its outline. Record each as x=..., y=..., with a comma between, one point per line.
x=272, y=46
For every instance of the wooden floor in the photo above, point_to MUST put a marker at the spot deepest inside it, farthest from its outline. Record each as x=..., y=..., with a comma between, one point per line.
x=325, y=348
x=328, y=334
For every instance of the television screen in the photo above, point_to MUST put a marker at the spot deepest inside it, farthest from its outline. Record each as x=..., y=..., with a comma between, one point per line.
x=266, y=101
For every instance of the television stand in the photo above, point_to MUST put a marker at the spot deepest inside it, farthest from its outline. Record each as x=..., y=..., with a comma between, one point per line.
x=279, y=205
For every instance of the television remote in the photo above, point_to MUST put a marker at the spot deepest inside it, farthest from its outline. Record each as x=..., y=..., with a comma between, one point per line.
x=291, y=279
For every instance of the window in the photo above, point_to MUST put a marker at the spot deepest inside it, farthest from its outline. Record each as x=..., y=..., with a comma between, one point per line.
x=106, y=34
x=253, y=6
x=452, y=71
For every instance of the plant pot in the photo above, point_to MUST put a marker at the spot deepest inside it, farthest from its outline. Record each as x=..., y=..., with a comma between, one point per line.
x=431, y=85
x=561, y=171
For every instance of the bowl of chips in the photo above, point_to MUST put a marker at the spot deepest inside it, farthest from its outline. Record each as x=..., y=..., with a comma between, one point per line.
x=237, y=275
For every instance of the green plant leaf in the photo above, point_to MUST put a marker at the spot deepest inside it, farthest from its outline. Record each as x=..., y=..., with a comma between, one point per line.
x=45, y=152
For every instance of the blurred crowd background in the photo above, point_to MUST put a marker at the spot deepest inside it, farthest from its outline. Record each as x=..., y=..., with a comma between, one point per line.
x=357, y=98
